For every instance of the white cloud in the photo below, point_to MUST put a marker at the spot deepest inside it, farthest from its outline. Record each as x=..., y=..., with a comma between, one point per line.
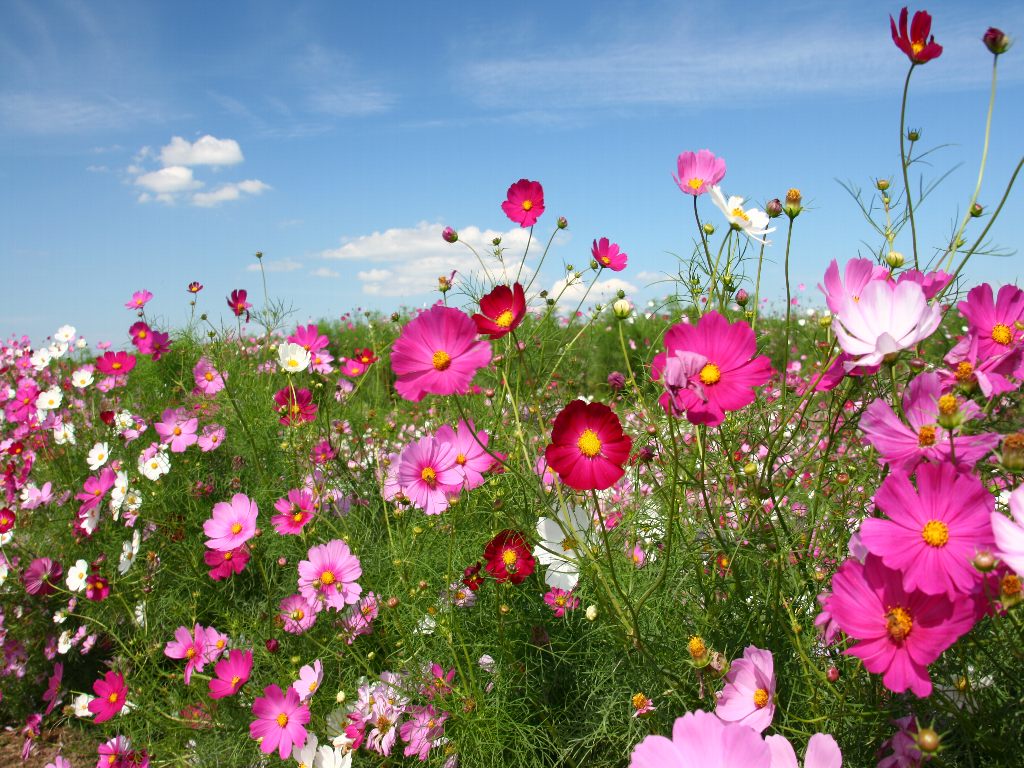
x=226, y=192
x=279, y=265
x=407, y=261
x=206, y=150
x=164, y=185
x=602, y=292
x=325, y=272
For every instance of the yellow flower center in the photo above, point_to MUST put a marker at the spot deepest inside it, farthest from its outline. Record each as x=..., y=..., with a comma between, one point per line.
x=293, y=363
x=117, y=366
x=327, y=578
x=710, y=374
x=1001, y=334
x=639, y=701
x=739, y=213
x=695, y=183
x=112, y=698
x=441, y=360
x=1010, y=584
x=504, y=319
x=298, y=614
x=297, y=517
x=282, y=720
x=461, y=459
x=606, y=260
x=898, y=623
x=589, y=443
x=560, y=601
x=509, y=557
x=142, y=334
x=429, y=476
x=917, y=46
x=177, y=431
x=190, y=653
x=312, y=686
x=926, y=437
x=208, y=375
x=235, y=680
x=935, y=533
x=696, y=647
x=947, y=405
x=964, y=371
x=527, y=205
x=761, y=698
x=236, y=528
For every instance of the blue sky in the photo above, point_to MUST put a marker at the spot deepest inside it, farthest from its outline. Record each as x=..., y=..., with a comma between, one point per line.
x=344, y=137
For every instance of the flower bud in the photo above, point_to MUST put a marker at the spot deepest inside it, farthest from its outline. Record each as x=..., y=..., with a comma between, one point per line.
x=832, y=674
x=996, y=40
x=913, y=134
x=443, y=284
x=562, y=222
x=773, y=208
x=843, y=478
x=976, y=210
x=984, y=561
x=1010, y=591
x=793, y=204
x=594, y=264
x=392, y=602
x=742, y=297
x=825, y=321
x=750, y=469
x=620, y=294
x=496, y=242
x=591, y=612
x=894, y=259
x=622, y=309
x=273, y=645
x=259, y=254
x=1013, y=452
x=950, y=415
x=728, y=281
x=882, y=184
x=449, y=235
x=917, y=363
x=928, y=741
x=504, y=609
x=709, y=228
x=395, y=317
x=569, y=268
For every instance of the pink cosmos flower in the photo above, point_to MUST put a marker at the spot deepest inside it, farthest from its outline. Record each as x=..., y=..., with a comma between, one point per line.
x=428, y=474
x=297, y=614
x=969, y=369
x=231, y=674
x=178, y=429
x=280, y=721
x=295, y=406
x=424, y=729
x=295, y=511
x=97, y=588
x=209, y=380
x=994, y=322
x=94, y=489
x=352, y=368
x=50, y=696
x=1009, y=535
x=309, y=338
x=470, y=448
x=561, y=601
x=901, y=632
x=904, y=447
x=588, y=447
x=115, y=363
x=142, y=337
x=114, y=753
x=59, y=762
x=709, y=368
x=931, y=283
x=857, y=274
x=608, y=255
x=698, y=171
x=748, y=697
x=438, y=353
x=225, y=564
x=822, y=752
x=525, y=202
x=138, y=300
x=329, y=576
x=232, y=524
x=310, y=677
x=212, y=438
x=701, y=740
x=188, y=646
x=238, y=303
x=932, y=534
x=111, y=694
x=41, y=576
x=887, y=319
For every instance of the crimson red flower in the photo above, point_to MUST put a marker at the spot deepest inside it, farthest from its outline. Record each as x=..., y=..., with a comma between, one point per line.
x=7, y=519
x=365, y=356
x=238, y=304
x=295, y=406
x=919, y=45
x=525, y=202
x=471, y=577
x=508, y=557
x=588, y=447
x=503, y=309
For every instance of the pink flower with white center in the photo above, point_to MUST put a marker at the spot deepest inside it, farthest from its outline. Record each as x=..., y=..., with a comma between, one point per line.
x=211, y=438
x=280, y=721
x=138, y=300
x=329, y=576
x=994, y=322
x=190, y=646
x=310, y=677
x=428, y=474
x=423, y=730
x=748, y=697
x=297, y=614
x=839, y=291
x=701, y=740
x=1009, y=534
x=561, y=601
x=232, y=524
x=209, y=381
x=888, y=319
x=178, y=429
x=295, y=511
x=470, y=447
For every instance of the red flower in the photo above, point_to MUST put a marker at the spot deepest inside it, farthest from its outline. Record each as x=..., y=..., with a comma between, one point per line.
x=919, y=46
x=238, y=304
x=588, y=447
x=365, y=356
x=508, y=557
x=503, y=310
x=471, y=577
x=115, y=363
x=7, y=519
x=525, y=202
x=295, y=406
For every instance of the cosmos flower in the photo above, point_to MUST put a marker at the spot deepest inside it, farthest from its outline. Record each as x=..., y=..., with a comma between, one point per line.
x=698, y=171
x=701, y=740
x=608, y=255
x=524, y=203
x=588, y=447
x=501, y=311
x=231, y=524
x=994, y=322
x=1009, y=534
x=111, y=695
x=280, y=721
x=753, y=222
x=231, y=674
x=508, y=557
x=748, y=697
x=919, y=44
x=328, y=577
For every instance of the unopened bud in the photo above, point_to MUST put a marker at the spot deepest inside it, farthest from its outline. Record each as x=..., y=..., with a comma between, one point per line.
x=976, y=210
x=395, y=317
x=832, y=674
x=259, y=254
x=882, y=184
x=928, y=741
x=443, y=284
x=620, y=294
x=591, y=612
x=917, y=363
x=913, y=134
x=392, y=602
x=709, y=228
x=996, y=40
x=1013, y=452
x=594, y=264
x=984, y=561
x=496, y=242
x=843, y=478
x=825, y=321
x=773, y=208
x=562, y=222
x=742, y=297
x=569, y=268
x=449, y=235
x=793, y=204
x=894, y=259
x=504, y=609
x=622, y=309
x=728, y=282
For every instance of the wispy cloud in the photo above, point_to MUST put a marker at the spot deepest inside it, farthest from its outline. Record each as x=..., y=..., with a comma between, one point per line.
x=230, y=191
x=276, y=265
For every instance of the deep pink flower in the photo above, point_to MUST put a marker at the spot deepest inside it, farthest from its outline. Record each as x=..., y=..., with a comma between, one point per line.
x=329, y=576
x=1009, y=535
x=501, y=311
x=428, y=474
x=114, y=753
x=94, y=489
x=280, y=721
x=993, y=322
x=309, y=338
x=969, y=369
x=231, y=674
x=232, y=524
x=295, y=406
x=932, y=534
x=701, y=740
x=919, y=45
x=297, y=614
x=115, y=363
x=208, y=379
x=138, y=300
x=111, y=694
x=97, y=588
x=856, y=275
x=470, y=449
x=178, y=429
x=508, y=557
x=142, y=337
x=52, y=687
x=41, y=576
x=560, y=601
x=748, y=697
x=188, y=646
x=608, y=255
x=525, y=202
x=438, y=353
x=709, y=368
x=7, y=519
x=423, y=730
x=225, y=564
x=699, y=171
x=588, y=447
x=238, y=304
x=900, y=632
x=295, y=511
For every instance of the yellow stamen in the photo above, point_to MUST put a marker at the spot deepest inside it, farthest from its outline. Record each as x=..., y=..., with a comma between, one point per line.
x=710, y=374
x=327, y=578
x=509, y=557
x=429, y=476
x=947, y=405
x=898, y=623
x=761, y=698
x=282, y=719
x=964, y=371
x=695, y=183
x=926, y=437
x=527, y=205
x=441, y=360
x=935, y=533
x=740, y=214
x=1001, y=334
x=504, y=319
x=236, y=528
x=696, y=647
x=589, y=443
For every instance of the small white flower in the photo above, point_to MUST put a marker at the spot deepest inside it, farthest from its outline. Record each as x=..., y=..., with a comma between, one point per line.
x=3, y=573
x=40, y=359
x=82, y=378
x=332, y=757
x=77, y=574
x=64, y=434
x=98, y=456
x=293, y=357
x=753, y=222
x=60, y=616
x=65, y=334
x=81, y=343
x=123, y=420
x=305, y=754
x=140, y=614
x=49, y=399
x=64, y=645
x=81, y=704
x=128, y=552
x=58, y=350
x=155, y=467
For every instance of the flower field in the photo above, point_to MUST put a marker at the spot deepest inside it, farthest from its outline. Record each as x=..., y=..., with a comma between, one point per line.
x=507, y=529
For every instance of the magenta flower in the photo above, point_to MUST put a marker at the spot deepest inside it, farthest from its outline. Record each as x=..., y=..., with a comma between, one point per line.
x=904, y=446
x=699, y=171
x=231, y=674
x=588, y=447
x=280, y=721
x=94, y=489
x=525, y=202
x=295, y=511
x=138, y=300
x=238, y=303
x=209, y=380
x=701, y=740
x=111, y=694
x=423, y=730
x=1009, y=535
x=608, y=255
x=41, y=576
x=887, y=319
x=188, y=646
x=225, y=564
x=50, y=696
x=428, y=474
x=919, y=44
x=932, y=535
x=329, y=576
x=310, y=677
x=969, y=369
x=709, y=368
x=438, y=353
x=178, y=429
x=211, y=438
x=97, y=588
x=115, y=363
x=931, y=283
x=993, y=322
x=470, y=448
x=901, y=632
x=232, y=524
x=295, y=406
x=857, y=274
x=560, y=601
x=297, y=614
x=748, y=697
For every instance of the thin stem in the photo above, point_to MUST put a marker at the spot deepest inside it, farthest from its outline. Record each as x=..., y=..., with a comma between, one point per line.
x=789, y=311
x=529, y=239
x=905, y=162
x=539, y=263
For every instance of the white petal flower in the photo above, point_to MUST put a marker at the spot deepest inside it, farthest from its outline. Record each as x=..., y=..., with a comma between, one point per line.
x=82, y=378
x=98, y=456
x=753, y=222
x=49, y=399
x=293, y=357
x=77, y=574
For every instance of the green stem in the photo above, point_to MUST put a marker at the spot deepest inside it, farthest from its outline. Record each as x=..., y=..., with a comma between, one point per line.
x=789, y=311
x=905, y=162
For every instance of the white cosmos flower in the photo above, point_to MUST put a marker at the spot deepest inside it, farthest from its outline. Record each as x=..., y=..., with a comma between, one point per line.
x=49, y=399
x=293, y=357
x=64, y=645
x=559, y=546
x=332, y=757
x=64, y=433
x=77, y=574
x=155, y=467
x=81, y=704
x=753, y=222
x=3, y=572
x=40, y=359
x=128, y=552
x=123, y=420
x=98, y=456
x=60, y=616
x=82, y=378
x=81, y=343
x=58, y=350
x=65, y=334
x=305, y=754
